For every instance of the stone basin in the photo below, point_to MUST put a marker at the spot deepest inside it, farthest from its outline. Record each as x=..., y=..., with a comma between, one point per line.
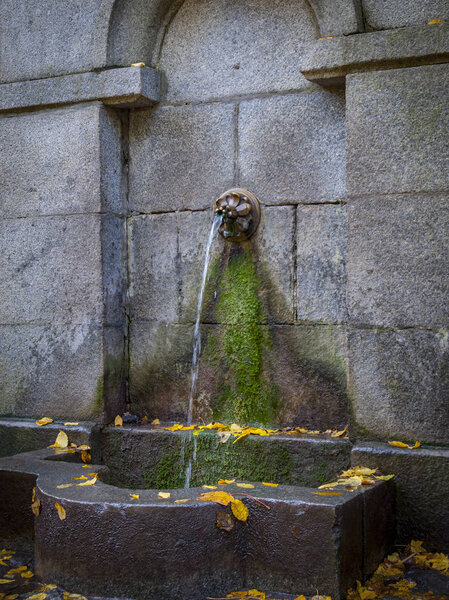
x=111, y=544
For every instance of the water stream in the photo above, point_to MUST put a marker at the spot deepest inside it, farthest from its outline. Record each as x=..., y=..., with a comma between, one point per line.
x=197, y=350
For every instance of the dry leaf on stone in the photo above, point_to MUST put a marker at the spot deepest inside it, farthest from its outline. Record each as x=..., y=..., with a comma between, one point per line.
x=433, y=21
x=336, y=433
x=222, y=498
x=224, y=436
x=247, y=486
x=241, y=436
x=164, y=495
x=118, y=421
x=27, y=574
x=383, y=477
x=61, y=511
x=182, y=500
x=78, y=478
x=270, y=484
x=239, y=510
x=64, y=485
x=209, y=487
x=44, y=421
x=70, y=424
x=89, y=482
x=225, y=481
x=36, y=507
x=300, y=597
x=139, y=64
x=402, y=445
x=224, y=521
x=155, y=422
x=62, y=441
x=328, y=493
x=134, y=496
x=40, y=596
x=86, y=457
x=247, y=594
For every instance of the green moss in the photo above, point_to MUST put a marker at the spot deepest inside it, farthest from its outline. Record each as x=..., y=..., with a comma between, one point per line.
x=168, y=472
x=245, y=393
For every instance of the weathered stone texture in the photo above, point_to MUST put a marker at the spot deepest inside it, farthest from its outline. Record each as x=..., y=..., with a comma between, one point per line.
x=180, y=157
x=153, y=267
x=397, y=124
x=398, y=256
x=273, y=244
x=216, y=49
x=321, y=251
x=42, y=38
x=292, y=148
x=386, y=14
x=399, y=384
x=422, y=490
x=40, y=175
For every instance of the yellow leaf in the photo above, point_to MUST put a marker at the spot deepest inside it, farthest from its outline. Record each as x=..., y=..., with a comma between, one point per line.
x=357, y=472
x=236, y=429
x=61, y=511
x=300, y=597
x=64, y=485
x=328, y=486
x=222, y=498
x=155, y=422
x=5, y=580
x=210, y=487
x=48, y=587
x=354, y=481
x=20, y=569
x=328, y=493
x=301, y=430
x=225, y=481
x=239, y=510
x=62, y=441
x=44, y=421
x=164, y=494
x=383, y=477
x=134, y=496
x=440, y=562
x=78, y=478
x=435, y=21
x=36, y=507
x=250, y=593
x=118, y=421
x=89, y=482
x=139, y=64
x=339, y=433
x=70, y=424
x=86, y=457
x=270, y=484
x=417, y=546
x=33, y=495
x=247, y=486
x=182, y=500
x=402, y=445
x=27, y=574
x=241, y=436
x=83, y=447
x=11, y=596
x=40, y=596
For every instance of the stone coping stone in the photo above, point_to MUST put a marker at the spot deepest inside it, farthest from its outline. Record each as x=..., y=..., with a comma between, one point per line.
x=149, y=547
x=329, y=60
x=123, y=87
x=23, y=435
x=421, y=488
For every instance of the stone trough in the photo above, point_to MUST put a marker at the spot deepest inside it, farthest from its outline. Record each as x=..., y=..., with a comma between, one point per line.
x=111, y=544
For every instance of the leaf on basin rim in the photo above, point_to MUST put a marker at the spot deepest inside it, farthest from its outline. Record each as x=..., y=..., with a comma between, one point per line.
x=209, y=487
x=155, y=422
x=164, y=495
x=89, y=482
x=134, y=496
x=70, y=424
x=397, y=444
x=247, y=486
x=179, y=427
x=328, y=493
x=225, y=481
x=64, y=485
x=357, y=472
x=139, y=64
x=118, y=421
x=40, y=596
x=384, y=477
x=62, y=441
x=48, y=587
x=328, y=486
x=44, y=421
x=222, y=498
x=27, y=574
x=241, y=436
x=83, y=447
x=248, y=593
x=78, y=478
x=301, y=597
x=270, y=484
x=5, y=581
x=61, y=511
x=336, y=433
x=182, y=500
x=239, y=510
x=433, y=21
x=36, y=507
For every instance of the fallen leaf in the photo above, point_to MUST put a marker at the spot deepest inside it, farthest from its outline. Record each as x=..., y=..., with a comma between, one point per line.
x=139, y=64
x=64, y=485
x=70, y=424
x=219, y=497
x=225, y=481
x=27, y=574
x=47, y=588
x=40, y=596
x=247, y=486
x=36, y=507
x=250, y=593
x=236, y=429
x=68, y=596
x=33, y=494
x=328, y=486
x=357, y=472
x=11, y=596
x=86, y=457
x=78, y=478
x=402, y=445
x=62, y=441
x=328, y=493
x=179, y=427
x=435, y=21
x=182, y=500
x=270, y=484
x=155, y=422
x=44, y=421
x=5, y=581
x=210, y=487
x=224, y=436
x=118, y=421
x=417, y=546
x=61, y=511
x=301, y=597
x=134, y=496
x=83, y=447
x=339, y=433
x=164, y=494
x=224, y=521
x=383, y=477
x=241, y=436
x=239, y=510
x=89, y=482
x=144, y=420
x=20, y=569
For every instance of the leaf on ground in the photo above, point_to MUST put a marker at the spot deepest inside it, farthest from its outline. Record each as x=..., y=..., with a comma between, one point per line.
x=433, y=21
x=48, y=587
x=64, y=485
x=61, y=511
x=36, y=507
x=209, y=487
x=358, y=472
x=179, y=427
x=328, y=486
x=337, y=433
x=246, y=594
x=62, y=441
x=5, y=581
x=68, y=596
x=89, y=481
x=40, y=596
x=134, y=496
x=383, y=477
x=235, y=429
x=164, y=495
x=440, y=562
x=270, y=484
x=300, y=597
x=86, y=457
x=224, y=521
x=118, y=421
x=155, y=422
x=328, y=493
x=241, y=436
x=44, y=421
x=87, y=466
x=239, y=510
x=222, y=498
x=79, y=478
x=182, y=500
x=70, y=424
x=247, y=486
x=139, y=64
x=225, y=481
x=20, y=569
x=364, y=593
x=397, y=444
x=83, y=447
x=27, y=574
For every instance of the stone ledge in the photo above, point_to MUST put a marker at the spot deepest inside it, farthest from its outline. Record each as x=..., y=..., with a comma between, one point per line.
x=121, y=87
x=330, y=60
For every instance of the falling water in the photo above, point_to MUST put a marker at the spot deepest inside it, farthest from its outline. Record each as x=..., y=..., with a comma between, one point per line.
x=197, y=348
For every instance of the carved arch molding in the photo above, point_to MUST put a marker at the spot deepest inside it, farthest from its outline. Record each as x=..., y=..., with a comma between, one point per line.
x=135, y=26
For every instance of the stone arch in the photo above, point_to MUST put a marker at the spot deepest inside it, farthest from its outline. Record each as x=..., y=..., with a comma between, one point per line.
x=136, y=28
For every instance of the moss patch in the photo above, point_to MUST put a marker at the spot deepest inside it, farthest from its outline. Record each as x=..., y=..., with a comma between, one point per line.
x=245, y=393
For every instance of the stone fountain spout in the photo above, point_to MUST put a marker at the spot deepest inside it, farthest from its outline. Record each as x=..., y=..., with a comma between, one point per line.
x=240, y=212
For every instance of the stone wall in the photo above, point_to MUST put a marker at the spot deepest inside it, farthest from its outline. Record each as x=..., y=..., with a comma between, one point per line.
x=109, y=183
